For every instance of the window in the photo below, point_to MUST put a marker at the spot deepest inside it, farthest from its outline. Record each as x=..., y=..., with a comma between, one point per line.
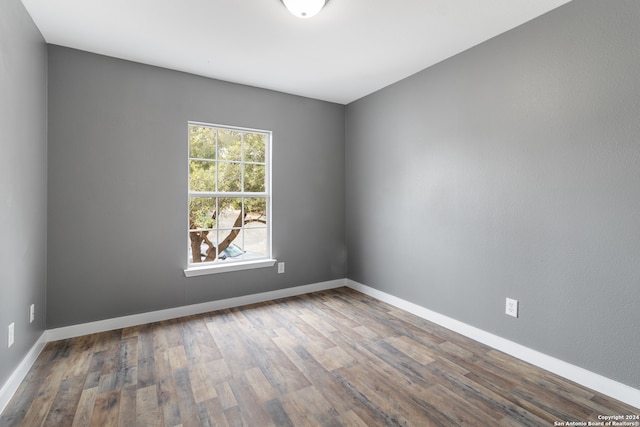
x=229, y=199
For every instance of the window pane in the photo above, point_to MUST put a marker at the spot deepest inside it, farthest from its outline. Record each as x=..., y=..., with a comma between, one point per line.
x=202, y=142
x=230, y=209
x=228, y=236
x=202, y=213
x=229, y=145
x=254, y=147
x=229, y=177
x=202, y=175
x=255, y=240
x=256, y=210
x=201, y=243
x=254, y=178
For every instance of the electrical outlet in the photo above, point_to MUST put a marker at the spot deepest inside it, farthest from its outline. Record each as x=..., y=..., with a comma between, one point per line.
x=32, y=313
x=512, y=307
x=11, y=336
x=280, y=267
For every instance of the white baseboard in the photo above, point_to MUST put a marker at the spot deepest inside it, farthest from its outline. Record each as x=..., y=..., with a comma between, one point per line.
x=11, y=385
x=614, y=389
x=574, y=373
x=187, y=310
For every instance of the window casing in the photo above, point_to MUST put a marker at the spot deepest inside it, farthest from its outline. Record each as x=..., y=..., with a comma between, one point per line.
x=229, y=199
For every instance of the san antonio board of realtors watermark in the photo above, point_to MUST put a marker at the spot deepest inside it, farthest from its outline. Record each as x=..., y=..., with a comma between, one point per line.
x=604, y=421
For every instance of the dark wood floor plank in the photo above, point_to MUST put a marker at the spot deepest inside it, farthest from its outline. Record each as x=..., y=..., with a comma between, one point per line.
x=107, y=382
x=212, y=414
x=80, y=355
x=165, y=383
x=308, y=407
x=64, y=405
x=233, y=417
x=260, y=316
x=337, y=395
x=189, y=411
x=189, y=342
x=106, y=410
x=232, y=347
x=374, y=392
x=351, y=419
x=225, y=396
x=128, y=407
x=413, y=349
x=201, y=387
x=148, y=413
x=171, y=415
x=331, y=358
x=38, y=408
x=146, y=372
x=251, y=408
x=171, y=330
x=208, y=349
x=460, y=410
x=27, y=390
x=303, y=331
x=280, y=372
x=260, y=385
x=127, y=363
x=612, y=405
x=84, y=410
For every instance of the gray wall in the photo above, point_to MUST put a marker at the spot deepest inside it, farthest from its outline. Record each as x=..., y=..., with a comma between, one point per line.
x=512, y=170
x=23, y=186
x=117, y=183
x=509, y=170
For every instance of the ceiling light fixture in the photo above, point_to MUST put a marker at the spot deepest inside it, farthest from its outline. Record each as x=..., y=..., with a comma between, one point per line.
x=304, y=8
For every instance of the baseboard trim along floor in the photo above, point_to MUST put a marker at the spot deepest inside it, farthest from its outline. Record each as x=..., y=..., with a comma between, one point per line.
x=11, y=385
x=187, y=310
x=599, y=383
x=566, y=370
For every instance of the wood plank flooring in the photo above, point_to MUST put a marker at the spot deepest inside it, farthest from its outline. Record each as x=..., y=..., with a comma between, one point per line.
x=332, y=358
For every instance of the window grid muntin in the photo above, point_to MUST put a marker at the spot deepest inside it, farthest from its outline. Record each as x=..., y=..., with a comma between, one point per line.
x=267, y=140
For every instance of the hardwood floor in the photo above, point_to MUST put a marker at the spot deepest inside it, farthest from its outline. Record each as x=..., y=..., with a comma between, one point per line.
x=332, y=358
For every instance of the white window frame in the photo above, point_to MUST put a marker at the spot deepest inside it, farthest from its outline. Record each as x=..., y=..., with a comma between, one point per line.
x=204, y=268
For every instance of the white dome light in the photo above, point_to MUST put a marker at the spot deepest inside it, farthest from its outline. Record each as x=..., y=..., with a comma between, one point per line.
x=304, y=8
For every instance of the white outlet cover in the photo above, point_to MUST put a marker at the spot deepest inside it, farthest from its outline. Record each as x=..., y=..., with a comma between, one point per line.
x=511, y=307
x=280, y=267
x=11, y=335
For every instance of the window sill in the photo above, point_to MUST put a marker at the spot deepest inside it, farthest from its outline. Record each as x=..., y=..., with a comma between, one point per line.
x=239, y=266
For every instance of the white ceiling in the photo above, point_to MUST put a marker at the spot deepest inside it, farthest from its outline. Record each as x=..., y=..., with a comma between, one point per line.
x=350, y=49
